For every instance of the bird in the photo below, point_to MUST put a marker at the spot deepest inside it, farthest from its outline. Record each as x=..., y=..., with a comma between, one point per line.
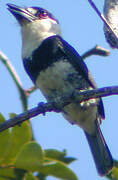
x=57, y=69
x=111, y=15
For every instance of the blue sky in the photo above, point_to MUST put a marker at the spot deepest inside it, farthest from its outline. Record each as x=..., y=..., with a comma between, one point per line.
x=83, y=29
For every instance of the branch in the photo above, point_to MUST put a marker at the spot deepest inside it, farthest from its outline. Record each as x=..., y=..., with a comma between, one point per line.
x=97, y=50
x=4, y=59
x=57, y=106
x=30, y=90
x=102, y=17
x=24, y=94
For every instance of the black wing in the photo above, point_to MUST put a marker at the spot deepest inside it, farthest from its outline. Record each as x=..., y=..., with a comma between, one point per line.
x=78, y=63
x=51, y=50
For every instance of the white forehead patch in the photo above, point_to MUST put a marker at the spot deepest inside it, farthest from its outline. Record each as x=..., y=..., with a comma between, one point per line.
x=32, y=10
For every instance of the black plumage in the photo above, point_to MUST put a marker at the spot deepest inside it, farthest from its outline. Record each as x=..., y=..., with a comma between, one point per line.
x=55, y=49
x=57, y=69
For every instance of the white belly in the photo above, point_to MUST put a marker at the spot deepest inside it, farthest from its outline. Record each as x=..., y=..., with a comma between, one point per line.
x=82, y=116
x=53, y=82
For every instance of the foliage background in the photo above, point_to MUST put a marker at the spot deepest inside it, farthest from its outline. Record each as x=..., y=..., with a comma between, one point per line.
x=82, y=28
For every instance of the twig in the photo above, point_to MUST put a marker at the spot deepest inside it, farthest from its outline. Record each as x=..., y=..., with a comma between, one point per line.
x=102, y=17
x=30, y=90
x=97, y=50
x=16, y=79
x=57, y=106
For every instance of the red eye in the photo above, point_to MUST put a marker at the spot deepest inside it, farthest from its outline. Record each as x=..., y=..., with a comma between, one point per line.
x=44, y=14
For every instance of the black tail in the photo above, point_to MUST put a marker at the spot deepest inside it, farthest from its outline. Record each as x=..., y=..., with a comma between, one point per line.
x=100, y=151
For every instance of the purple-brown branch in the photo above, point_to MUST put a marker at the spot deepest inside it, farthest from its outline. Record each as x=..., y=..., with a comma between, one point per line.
x=57, y=106
x=97, y=50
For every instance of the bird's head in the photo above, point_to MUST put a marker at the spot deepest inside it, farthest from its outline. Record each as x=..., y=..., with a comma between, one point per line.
x=32, y=14
x=36, y=23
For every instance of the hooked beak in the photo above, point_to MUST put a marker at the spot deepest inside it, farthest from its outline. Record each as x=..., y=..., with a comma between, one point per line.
x=22, y=15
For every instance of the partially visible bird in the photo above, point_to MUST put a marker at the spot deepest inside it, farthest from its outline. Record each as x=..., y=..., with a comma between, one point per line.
x=57, y=69
x=111, y=15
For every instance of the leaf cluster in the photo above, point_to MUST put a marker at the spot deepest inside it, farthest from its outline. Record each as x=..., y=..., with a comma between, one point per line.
x=22, y=158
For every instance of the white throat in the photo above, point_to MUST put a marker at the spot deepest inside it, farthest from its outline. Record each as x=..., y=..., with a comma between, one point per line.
x=35, y=32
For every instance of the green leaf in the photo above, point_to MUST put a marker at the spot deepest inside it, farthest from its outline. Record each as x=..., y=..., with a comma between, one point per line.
x=19, y=136
x=55, y=155
x=5, y=141
x=30, y=157
x=41, y=176
x=2, y=118
x=58, y=170
x=30, y=176
x=12, y=115
x=11, y=174
x=113, y=175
